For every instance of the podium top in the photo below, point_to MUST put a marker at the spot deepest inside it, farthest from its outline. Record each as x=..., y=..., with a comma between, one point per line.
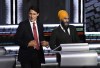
x=74, y=47
x=74, y=44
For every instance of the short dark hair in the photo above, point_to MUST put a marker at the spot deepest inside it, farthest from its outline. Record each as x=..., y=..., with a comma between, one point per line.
x=34, y=8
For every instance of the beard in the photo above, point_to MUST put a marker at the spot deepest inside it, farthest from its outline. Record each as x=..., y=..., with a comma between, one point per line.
x=64, y=23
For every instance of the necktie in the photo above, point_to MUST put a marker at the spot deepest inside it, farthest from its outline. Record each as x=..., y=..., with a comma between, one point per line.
x=35, y=36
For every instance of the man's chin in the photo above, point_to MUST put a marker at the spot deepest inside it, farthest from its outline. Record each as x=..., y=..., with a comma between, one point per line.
x=66, y=23
x=32, y=20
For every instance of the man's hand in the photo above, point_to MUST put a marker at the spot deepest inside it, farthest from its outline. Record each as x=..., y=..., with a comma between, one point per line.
x=44, y=43
x=32, y=43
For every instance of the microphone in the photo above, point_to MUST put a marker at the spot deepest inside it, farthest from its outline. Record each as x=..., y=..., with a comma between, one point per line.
x=54, y=50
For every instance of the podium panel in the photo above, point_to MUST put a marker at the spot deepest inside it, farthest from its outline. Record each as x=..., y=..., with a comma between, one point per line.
x=75, y=47
x=78, y=58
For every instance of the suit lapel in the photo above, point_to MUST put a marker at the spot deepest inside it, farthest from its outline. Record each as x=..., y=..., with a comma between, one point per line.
x=40, y=30
x=71, y=31
x=38, y=26
x=29, y=29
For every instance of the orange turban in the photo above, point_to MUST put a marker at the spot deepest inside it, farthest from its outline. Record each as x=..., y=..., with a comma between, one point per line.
x=62, y=14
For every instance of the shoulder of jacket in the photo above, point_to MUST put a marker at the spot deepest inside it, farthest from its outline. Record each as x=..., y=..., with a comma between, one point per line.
x=56, y=29
x=23, y=22
x=72, y=26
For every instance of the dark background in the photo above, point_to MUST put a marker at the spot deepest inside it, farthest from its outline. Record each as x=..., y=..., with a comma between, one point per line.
x=48, y=10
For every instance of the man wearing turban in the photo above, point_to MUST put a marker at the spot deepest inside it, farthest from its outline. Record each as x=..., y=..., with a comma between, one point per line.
x=64, y=33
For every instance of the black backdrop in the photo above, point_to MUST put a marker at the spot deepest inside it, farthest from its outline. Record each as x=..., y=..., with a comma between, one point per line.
x=48, y=9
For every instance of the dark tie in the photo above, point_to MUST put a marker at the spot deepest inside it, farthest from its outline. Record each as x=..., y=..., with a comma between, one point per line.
x=35, y=36
x=67, y=34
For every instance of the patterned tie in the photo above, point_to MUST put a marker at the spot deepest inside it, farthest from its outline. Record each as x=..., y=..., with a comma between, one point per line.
x=35, y=36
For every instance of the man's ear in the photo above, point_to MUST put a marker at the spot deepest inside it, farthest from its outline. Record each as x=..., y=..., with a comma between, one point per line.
x=38, y=14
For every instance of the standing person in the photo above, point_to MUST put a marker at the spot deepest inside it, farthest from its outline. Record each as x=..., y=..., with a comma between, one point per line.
x=64, y=33
x=29, y=37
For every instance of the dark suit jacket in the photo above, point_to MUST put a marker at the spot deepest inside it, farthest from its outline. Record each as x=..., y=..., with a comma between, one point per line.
x=59, y=37
x=23, y=37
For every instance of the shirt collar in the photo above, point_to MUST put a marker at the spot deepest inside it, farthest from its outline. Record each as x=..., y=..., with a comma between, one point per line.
x=32, y=22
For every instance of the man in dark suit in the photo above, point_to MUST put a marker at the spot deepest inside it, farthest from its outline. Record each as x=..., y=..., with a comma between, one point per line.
x=64, y=33
x=29, y=37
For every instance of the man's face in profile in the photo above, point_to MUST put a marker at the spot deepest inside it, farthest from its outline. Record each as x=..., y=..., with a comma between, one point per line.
x=33, y=15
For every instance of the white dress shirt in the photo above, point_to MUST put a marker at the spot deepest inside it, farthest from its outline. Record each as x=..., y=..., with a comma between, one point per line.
x=64, y=29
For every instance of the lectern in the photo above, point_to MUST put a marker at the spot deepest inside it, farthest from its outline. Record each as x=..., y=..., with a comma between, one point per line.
x=78, y=58
x=77, y=54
